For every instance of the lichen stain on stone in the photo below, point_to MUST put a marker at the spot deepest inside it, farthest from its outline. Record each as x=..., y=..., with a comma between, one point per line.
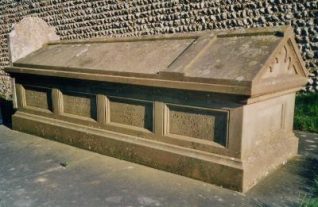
x=240, y=78
x=81, y=52
x=40, y=180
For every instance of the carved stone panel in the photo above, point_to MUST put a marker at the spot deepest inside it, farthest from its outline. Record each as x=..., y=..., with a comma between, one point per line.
x=284, y=63
x=79, y=104
x=131, y=113
x=198, y=123
x=38, y=97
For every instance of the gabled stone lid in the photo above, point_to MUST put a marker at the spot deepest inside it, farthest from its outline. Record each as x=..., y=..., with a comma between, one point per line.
x=248, y=62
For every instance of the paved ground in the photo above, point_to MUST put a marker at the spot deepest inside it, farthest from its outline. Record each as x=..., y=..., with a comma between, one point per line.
x=31, y=175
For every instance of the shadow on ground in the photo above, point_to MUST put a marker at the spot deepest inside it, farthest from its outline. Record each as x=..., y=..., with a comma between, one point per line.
x=308, y=148
x=6, y=111
x=294, y=181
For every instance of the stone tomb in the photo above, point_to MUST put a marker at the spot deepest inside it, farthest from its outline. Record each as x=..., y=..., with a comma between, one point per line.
x=214, y=106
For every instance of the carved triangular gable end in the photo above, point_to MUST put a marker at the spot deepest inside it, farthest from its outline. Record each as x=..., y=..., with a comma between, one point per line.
x=284, y=62
x=284, y=69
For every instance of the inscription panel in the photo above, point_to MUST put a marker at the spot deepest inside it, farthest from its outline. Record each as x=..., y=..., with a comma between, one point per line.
x=198, y=123
x=80, y=104
x=38, y=97
x=131, y=112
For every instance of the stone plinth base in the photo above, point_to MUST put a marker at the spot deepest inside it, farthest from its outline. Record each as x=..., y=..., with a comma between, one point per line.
x=220, y=170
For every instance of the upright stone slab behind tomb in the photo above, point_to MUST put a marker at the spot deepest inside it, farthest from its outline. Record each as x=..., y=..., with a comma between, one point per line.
x=217, y=107
x=30, y=34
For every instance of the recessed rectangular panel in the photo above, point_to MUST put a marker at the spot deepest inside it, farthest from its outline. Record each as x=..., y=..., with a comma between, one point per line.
x=38, y=97
x=270, y=119
x=131, y=112
x=198, y=123
x=79, y=104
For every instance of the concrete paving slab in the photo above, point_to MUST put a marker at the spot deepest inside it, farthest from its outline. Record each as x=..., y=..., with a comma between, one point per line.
x=39, y=172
